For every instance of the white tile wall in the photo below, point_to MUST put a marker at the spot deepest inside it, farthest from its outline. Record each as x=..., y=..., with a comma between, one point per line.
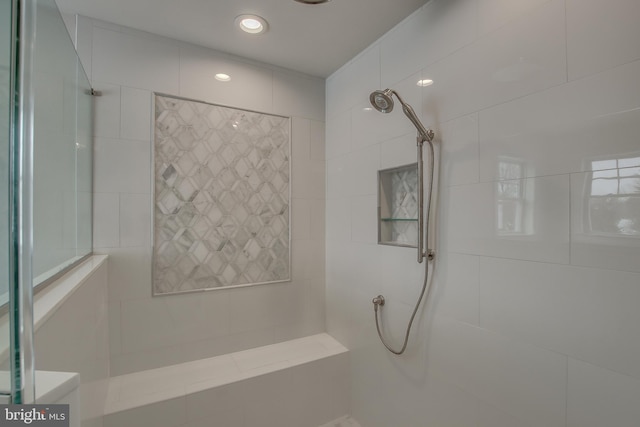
x=135, y=114
x=118, y=58
x=128, y=66
x=611, y=30
x=599, y=397
x=564, y=121
x=589, y=314
x=473, y=215
x=430, y=34
x=74, y=338
x=529, y=328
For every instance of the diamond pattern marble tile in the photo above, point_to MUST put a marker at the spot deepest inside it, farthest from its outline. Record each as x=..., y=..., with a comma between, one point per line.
x=221, y=197
x=404, y=189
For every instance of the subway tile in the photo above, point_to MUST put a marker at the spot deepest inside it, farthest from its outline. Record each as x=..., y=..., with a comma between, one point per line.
x=456, y=287
x=364, y=219
x=598, y=397
x=117, y=59
x=267, y=399
x=106, y=220
x=160, y=322
x=318, y=219
x=338, y=137
x=445, y=404
x=129, y=272
x=363, y=166
x=169, y=355
x=308, y=179
x=255, y=307
x=115, y=326
x=321, y=389
x=167, y=413
x=489, y=416
x=430, y=34
x=317, y=146
x=352, y=84
x=250, y=87
x=585, y=313
x=601, y=35
x=522, y=380
x=399, y=151
x=296, y=94
x=492, y=14
x=562, y=130
x=301, y=255
x=338, y=177
x=135, y=114
x=224, y=404
x=106, y=110
x=533, y=225
x=458, y=143
x=397, y=275
x=300, y=219
x=121, y=166
x=339, y=219
x=605, y=216
x=300, y=140
x=513, y=61
x=135, y=220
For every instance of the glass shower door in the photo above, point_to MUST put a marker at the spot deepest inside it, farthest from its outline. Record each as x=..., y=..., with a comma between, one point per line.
x=16, y=114
x=5, y=118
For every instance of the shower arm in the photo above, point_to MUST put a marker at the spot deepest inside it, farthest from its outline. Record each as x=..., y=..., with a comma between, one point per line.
x=424, y=134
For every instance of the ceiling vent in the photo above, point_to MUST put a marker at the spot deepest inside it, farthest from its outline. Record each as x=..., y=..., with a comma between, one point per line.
x=312, y=1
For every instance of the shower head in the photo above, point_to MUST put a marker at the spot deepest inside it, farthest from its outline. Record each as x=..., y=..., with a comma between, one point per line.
x=382, y=100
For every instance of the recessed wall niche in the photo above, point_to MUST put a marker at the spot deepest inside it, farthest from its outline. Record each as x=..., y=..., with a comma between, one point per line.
x=221, y=197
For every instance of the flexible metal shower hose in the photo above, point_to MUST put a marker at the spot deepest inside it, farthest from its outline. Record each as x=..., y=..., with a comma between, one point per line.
x=426, y=282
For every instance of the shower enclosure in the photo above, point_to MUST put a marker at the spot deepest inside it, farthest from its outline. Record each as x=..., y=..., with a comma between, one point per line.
x=45, y=174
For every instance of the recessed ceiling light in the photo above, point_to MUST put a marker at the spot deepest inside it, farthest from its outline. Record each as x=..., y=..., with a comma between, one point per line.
x=425, y=82
x=223, y=77
x=313, y=1
x=252, y=24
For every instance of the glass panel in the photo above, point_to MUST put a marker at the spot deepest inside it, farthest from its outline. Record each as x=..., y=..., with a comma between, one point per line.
x=84, y=163
x=5, y=100
x=62, y=149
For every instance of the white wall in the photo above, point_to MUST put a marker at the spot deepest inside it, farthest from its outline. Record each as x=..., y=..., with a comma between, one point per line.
x=75, y=338
x=536, y=328
x=128, y=66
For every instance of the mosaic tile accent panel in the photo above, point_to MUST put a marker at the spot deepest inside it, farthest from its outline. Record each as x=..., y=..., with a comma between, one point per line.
x=404, y=190
x=221, y=214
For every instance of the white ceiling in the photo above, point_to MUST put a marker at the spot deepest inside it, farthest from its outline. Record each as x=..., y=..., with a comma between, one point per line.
x=313, y=39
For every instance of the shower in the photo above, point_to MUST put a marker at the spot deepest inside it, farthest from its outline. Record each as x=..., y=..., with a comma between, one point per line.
x=382, y=100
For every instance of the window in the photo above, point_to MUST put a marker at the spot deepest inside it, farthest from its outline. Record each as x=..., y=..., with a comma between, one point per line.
x=510, y=198
x=613, y=197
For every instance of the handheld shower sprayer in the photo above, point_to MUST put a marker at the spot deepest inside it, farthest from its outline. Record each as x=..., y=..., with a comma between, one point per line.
x=382, y=100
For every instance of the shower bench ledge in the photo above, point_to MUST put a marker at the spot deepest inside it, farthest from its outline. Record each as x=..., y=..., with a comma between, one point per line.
x=303, y=370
